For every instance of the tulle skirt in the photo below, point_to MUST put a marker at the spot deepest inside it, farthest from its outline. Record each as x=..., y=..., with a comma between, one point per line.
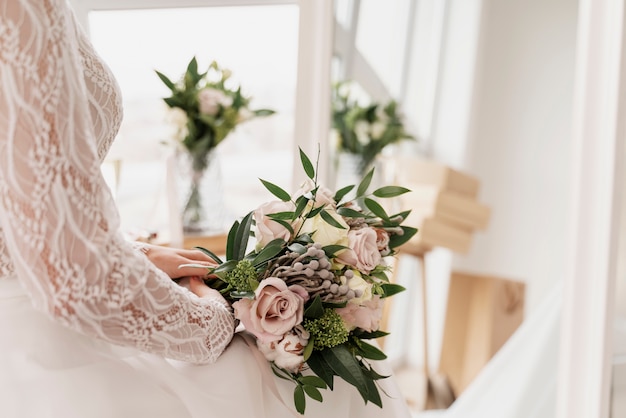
x=47, y=370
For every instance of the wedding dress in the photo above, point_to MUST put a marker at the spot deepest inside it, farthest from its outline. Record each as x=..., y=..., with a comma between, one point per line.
x=88, y=326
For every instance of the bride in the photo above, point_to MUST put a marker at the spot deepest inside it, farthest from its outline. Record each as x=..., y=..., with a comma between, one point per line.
x=90, y=325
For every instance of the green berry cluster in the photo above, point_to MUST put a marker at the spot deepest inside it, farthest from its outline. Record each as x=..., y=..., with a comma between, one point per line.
x=327, y=331
x=242, y=276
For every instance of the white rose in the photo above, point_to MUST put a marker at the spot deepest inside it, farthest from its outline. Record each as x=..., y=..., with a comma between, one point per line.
x=362, y=131
x=323, y=232
x=244, y=114
x=377, y=129
x=360, y=287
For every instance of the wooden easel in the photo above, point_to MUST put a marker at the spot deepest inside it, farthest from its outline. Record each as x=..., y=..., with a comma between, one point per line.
x=436, y=391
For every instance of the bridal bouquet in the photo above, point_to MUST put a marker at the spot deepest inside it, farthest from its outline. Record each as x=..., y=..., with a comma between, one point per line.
x=312, y=289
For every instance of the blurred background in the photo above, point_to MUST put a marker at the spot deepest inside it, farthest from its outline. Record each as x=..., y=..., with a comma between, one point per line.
x=488, y=90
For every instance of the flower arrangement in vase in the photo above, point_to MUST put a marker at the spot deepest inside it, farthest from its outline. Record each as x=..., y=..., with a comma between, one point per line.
x=364, y=130
x=208, y=107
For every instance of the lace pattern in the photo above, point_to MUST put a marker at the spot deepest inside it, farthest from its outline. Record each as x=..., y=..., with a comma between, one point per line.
x=59, y=111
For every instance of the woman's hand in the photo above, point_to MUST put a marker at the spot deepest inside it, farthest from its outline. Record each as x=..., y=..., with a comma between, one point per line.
x=170, y=259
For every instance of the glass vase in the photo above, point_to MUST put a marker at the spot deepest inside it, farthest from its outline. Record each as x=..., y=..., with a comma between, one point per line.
x=201, y=194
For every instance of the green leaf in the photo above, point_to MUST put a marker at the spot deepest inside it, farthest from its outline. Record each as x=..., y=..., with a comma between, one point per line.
x=241, y=239
x=380, y=275
x=365, y=183
x=230, y=240
x=372, y=335
x=313, y=381
x=296, y=247
x=268, y=252
x=320, y=367
x=276, y=191
x=314, y=212
x=308, y=348
x=263, y=112
x=210, y=254
x=281, y=215
x=330, y=220
x=391, y=289
x=313, y=392
x=166, y=81
x=301, y=203
x=299, y=400
x=331, y=250
x=335, y=305
x=376, y=209
x=226, y=267
x=341, y=193
x=240, y=295
x=397, y=240
x=403, y=214
x=374, y=396
x=285, y=225
x=390, y=191
x=315, y=309
x=307, y=165
x=369, y=351
x=351, y=213
x=346, y=366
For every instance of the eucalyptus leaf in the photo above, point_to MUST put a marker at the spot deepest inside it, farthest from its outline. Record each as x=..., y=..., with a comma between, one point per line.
x=328, y=218
x=267, y=253
x=307, y=165
x=313, y=381
x=313, y=392
x=397, y=240
x=341, y=193
x=301, y=204
x=296, y=247
x=351, y=213
x=314, y=212
x=390, y=191
x=299, y=400
x=281, y=215
x=365, y=183
x=376, y=209
x=331, y=250
x=276, y=191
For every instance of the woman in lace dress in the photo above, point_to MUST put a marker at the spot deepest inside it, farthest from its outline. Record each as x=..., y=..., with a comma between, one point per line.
x=89, y=325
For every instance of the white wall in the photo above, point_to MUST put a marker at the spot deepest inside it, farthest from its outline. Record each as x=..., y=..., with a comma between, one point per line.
x=519, y=143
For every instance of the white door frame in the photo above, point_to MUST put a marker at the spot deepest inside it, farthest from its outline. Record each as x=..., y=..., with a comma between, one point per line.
x=599, y=133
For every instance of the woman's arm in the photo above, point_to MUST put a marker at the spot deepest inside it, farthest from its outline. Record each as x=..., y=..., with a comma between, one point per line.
x=60, y=223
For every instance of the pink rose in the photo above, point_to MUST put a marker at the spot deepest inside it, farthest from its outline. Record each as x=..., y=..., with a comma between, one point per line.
x=210, y=99
x=363, y=253
x=274, y=311
x=323, y=196
x=268, y=229
x=382, y=240
x=288, y=352
x=366, y=316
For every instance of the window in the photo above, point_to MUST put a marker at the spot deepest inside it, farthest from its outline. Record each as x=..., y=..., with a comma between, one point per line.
x=259, y=45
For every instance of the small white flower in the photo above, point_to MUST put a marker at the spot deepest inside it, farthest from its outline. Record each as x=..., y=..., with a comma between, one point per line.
x=362, y=131
x=377, y=129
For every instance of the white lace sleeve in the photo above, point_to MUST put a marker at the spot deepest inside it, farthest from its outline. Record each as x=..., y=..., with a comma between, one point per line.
x=59, y=222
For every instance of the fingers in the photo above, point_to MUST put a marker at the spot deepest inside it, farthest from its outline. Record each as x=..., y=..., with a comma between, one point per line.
x=196, y=255
x=194, y=271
